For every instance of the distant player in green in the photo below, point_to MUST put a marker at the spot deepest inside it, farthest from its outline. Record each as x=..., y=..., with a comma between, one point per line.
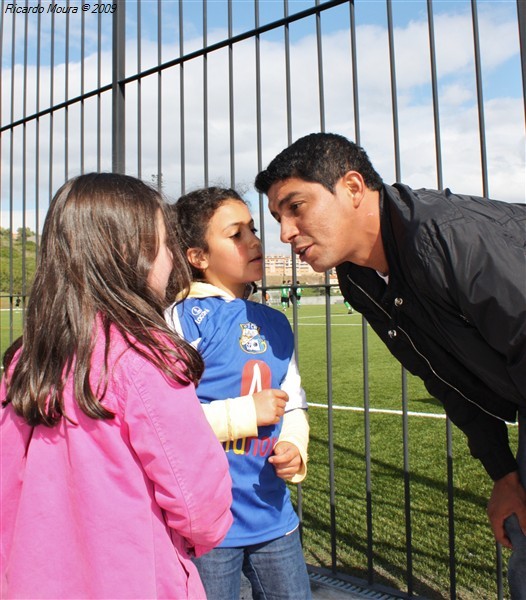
x=284, y=292
x=295, y=294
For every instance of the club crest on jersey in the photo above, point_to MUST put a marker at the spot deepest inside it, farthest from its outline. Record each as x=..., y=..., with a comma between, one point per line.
x=251, y=341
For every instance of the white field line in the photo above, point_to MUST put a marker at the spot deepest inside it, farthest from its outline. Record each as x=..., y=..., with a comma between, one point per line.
x=320, y=316
x=386, y=411
x=332, y=324
x=324, y=323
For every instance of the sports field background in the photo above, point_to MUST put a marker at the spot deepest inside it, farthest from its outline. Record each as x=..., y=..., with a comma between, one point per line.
x=474, y=545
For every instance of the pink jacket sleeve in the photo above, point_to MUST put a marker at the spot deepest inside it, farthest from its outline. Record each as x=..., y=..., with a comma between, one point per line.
x=181, y=456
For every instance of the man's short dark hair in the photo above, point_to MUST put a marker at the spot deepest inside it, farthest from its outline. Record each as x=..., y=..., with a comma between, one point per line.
x=320, y=158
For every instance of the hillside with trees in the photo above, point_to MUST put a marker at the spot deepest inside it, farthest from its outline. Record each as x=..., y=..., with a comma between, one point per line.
x=23, y=248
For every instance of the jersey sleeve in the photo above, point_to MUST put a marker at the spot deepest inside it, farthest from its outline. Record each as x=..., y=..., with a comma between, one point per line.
x=295, y=429
x=232, y=418
x=292, y=385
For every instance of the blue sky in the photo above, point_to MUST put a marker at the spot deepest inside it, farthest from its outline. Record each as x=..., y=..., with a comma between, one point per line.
x=502, y=89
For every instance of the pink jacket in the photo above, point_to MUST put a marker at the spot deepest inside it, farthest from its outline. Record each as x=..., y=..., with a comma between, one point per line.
x=112, y=508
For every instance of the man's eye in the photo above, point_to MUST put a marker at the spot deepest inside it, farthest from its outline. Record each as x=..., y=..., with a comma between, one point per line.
x=253, y=229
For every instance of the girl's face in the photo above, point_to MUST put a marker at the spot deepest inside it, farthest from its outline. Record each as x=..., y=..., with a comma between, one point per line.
x=162, y=265
x=234, y=256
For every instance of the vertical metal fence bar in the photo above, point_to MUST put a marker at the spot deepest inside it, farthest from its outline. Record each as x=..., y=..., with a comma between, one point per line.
x=354, y=70
x=287, y=75
x=434, y=89
x=480, y=100
x=21, y=298
x=205, y=91
x=288, y=100
x=99, y=83
x=365, y=356
x=118, y=90
x=438, y=155
x=499, y=564
x=11, y=181
x=51, y=97
x=330, y=423
x=367, y=441
x=328, y=333
x=294, y=282
x=319, y=48
x=405, y=423
x=66, y=97
x=259, y=151
x=82, y=87
x=451, y=513
x=231, y=98
x=365, y=338
x=82, y=140
x=394, y=99
x=37, y=134
x=139, y=92
x=181, y=98
x=160, y=97
x=407, y=486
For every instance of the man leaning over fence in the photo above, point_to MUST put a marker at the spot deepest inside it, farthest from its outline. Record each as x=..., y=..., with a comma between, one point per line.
x=441, y=278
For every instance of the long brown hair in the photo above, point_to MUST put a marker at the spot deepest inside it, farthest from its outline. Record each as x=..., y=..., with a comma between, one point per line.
x=98, y=244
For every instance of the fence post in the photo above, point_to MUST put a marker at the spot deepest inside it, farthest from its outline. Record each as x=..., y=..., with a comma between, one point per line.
x=118, y=108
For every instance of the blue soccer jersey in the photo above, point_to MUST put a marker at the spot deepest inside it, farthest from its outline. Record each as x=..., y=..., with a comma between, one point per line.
x=246, y=347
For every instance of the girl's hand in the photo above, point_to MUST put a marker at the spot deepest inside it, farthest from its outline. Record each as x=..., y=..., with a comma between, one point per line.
x=270, y=406
x=286, y=460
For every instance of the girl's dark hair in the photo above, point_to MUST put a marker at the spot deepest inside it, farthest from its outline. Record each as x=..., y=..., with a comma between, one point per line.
x=98, y=244
x=190, y=215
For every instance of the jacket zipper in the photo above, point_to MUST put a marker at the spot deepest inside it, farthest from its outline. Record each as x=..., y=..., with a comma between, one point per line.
x=422, y=355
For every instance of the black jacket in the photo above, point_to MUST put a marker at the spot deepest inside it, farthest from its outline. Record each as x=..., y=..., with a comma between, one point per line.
x=454, y=311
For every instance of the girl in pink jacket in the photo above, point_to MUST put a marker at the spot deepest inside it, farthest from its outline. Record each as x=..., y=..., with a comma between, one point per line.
x=111, y=478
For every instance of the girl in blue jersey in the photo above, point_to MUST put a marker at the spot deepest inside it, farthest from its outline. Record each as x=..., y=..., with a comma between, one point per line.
x=251, y=394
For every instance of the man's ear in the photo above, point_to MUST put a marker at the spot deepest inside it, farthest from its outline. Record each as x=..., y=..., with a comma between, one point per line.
x=198, y=258
x=355, y=186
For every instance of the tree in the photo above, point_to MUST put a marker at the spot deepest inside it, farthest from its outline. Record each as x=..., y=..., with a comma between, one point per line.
x=24, y=234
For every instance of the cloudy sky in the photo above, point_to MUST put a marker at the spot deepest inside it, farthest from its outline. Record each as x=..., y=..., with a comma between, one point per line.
x=159, y=118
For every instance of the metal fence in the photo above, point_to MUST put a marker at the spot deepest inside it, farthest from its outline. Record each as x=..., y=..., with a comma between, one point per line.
x=185, y=93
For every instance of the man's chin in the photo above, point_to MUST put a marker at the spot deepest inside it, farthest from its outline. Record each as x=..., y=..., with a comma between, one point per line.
x=316, y=267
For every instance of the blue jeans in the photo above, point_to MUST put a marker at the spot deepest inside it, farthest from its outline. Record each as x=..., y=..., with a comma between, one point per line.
x=276, y=570
x=517, y=562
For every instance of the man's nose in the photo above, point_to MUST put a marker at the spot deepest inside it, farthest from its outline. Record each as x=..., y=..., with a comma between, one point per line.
x=288, y=231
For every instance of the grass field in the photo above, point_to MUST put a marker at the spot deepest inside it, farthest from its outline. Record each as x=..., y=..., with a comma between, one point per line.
x=10, y=327
x=474, y=545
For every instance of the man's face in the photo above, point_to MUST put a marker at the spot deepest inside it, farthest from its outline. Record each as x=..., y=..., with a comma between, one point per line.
x=317, y=223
